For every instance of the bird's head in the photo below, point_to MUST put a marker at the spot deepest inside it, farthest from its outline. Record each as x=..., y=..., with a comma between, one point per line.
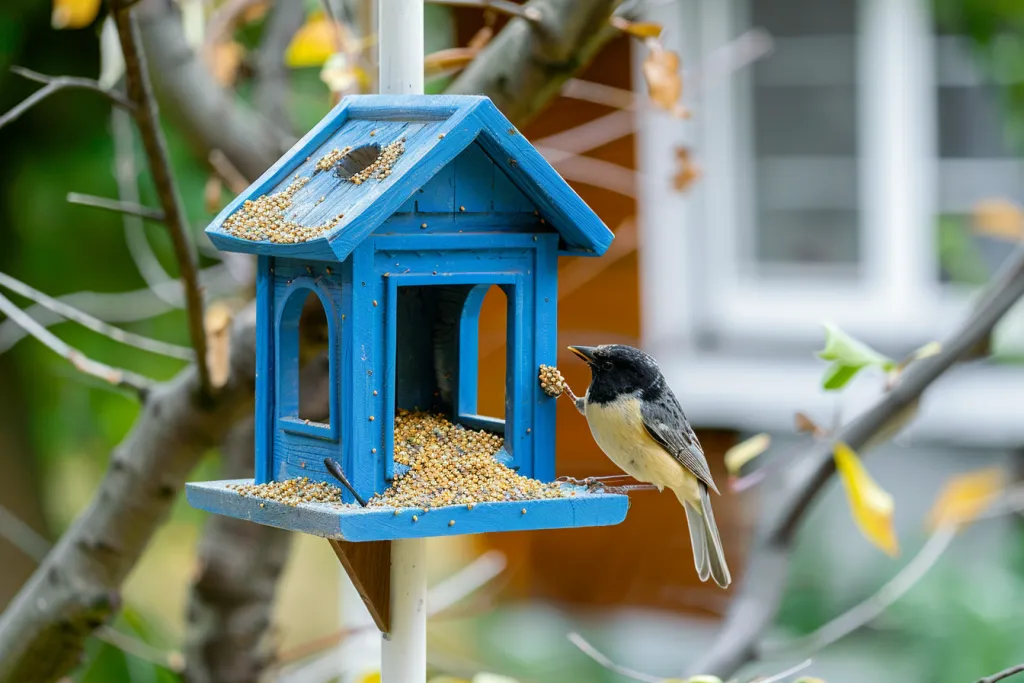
x=617, y=369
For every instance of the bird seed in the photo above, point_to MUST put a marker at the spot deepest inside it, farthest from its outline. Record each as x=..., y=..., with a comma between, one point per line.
x=291, y=491
x=551, y=381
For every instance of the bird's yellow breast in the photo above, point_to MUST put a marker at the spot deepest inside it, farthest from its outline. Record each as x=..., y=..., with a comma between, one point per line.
x=619, y=431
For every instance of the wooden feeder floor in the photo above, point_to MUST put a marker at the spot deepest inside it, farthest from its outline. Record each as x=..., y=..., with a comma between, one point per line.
x=353, y=523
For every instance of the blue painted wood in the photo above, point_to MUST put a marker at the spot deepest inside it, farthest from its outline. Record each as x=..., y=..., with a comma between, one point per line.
x=264, y=419
x=466, y=399
x=438, y=194
x=390, y=383
x=545, y=345
x=437, y=131
x=353, y=523
x=289, y=309
x=474, y=181
x=508, y=198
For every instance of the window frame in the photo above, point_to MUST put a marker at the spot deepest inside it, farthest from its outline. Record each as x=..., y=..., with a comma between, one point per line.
x=699, y=307
x=288, y=372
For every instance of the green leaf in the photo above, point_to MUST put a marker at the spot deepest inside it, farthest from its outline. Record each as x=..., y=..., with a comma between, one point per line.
x=850, y=356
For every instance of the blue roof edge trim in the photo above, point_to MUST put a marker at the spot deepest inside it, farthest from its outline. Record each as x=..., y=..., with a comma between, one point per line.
x=583, y=232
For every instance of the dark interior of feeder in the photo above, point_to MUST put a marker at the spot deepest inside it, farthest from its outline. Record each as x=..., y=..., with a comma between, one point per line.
x=428, y=351
x=314, y=362
x=357, y=160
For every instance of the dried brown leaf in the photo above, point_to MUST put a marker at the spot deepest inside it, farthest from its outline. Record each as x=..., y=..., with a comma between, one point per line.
x=224, y=60
x=481, y=38
x=805, y=425
x=212, y=194
x=999, y=218
x=687, y=172
x=450, y=60
x=218, y=347
x=664, y=83
x=638, y=29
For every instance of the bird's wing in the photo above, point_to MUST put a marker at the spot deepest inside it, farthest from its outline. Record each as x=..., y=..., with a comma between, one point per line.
x=666, y=423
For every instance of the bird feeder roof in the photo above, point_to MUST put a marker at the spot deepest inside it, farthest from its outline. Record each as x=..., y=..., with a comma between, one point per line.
x=418, y=135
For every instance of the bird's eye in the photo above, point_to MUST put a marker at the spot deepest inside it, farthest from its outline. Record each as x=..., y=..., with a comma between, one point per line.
x=607, y=365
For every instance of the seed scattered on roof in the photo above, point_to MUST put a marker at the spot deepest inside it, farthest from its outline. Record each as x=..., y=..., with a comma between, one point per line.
x=263, y=219
x=381, y=167
x=331, y=158
x=291, y=491
x=451, y=465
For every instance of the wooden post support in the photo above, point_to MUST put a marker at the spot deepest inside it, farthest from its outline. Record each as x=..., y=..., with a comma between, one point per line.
x=369, y=566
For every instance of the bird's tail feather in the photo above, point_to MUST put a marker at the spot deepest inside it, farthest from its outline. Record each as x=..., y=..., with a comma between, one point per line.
x=698, y=538
x=713, y=542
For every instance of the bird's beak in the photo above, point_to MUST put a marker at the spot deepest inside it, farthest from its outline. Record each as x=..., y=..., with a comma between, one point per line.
x=584, y=352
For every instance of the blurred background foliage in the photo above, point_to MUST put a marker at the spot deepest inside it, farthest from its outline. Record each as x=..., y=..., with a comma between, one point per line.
x=57, y=428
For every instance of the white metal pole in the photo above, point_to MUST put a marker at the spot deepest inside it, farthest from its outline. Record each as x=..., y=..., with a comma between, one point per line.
x=400, y=36
x=404, y=650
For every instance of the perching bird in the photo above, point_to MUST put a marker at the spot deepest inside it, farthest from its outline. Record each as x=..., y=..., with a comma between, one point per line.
x=638, y=423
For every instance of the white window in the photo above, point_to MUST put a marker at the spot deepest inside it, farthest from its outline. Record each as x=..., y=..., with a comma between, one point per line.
x=838, y=175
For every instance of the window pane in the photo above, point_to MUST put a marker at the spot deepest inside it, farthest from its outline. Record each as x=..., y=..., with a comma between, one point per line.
x=804, y=136
x=980, y=175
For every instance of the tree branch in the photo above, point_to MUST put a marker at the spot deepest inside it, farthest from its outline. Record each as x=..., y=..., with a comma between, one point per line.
x=212, y=117
x=759, y=596
x=147, y=120
x=232, y=596
x=272, y=82
x=75, y=590
x=130, y=208
x=54, y=84
x=527, y=64
x=95, y=324
x=125, y=379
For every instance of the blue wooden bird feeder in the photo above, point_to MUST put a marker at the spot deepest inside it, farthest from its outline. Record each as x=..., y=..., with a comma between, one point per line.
x=399, y=212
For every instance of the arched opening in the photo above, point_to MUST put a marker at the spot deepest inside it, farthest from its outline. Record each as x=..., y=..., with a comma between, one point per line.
x=492, y=354
x=314, y=362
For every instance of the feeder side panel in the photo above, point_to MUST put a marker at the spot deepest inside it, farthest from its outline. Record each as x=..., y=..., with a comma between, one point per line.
x=545, y=330
x=264, y=420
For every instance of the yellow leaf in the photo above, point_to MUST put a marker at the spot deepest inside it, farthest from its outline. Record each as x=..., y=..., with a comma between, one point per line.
x=372, y=677
x=665, y=85
x=999, y=218
x=745, y=451
x=315, y=42
x=342, y=75
x=637, y=29
x=871, y=505
x=965, y=496
x=218, y=348
x=74, y=13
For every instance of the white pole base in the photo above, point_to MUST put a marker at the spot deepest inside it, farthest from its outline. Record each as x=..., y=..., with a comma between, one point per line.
x=404, y=650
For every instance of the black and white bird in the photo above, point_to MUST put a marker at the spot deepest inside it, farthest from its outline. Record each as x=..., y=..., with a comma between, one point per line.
x=638, y=423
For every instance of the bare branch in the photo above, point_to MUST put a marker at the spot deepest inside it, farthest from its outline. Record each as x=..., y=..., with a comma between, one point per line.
x=528, y=62
x=22, y=536
x=54, y=84
x=227, y=171
x=1005, y=673
x=75, y=590
x=508, y=7
x=95, y=324
x=147, y=120
x=130, y=208
x=116, y=376
x=211, y=116
x=592, y=652
x=758, y=598
x=139, y=304
x=272, y=83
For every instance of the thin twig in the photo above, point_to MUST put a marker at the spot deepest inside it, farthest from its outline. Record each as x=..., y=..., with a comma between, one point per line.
x=95, y=324
x=147, y=119
x=595, y=654
x=54, y=84
x=22, y=536
x=227, y=171
x=782, y=675
x=172, y=661
x=512, y=9
x=130, y=208
x=870, y=609
x=1005, y=673
x=116, y=376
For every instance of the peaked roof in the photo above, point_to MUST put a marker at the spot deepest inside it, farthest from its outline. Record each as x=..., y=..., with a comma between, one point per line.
x=434, y=129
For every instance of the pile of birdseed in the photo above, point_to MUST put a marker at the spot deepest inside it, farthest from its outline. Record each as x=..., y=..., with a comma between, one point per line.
x=381, y=167
x=263, y=219
x=291, y=491
x=452, y=465
x=331, y=158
